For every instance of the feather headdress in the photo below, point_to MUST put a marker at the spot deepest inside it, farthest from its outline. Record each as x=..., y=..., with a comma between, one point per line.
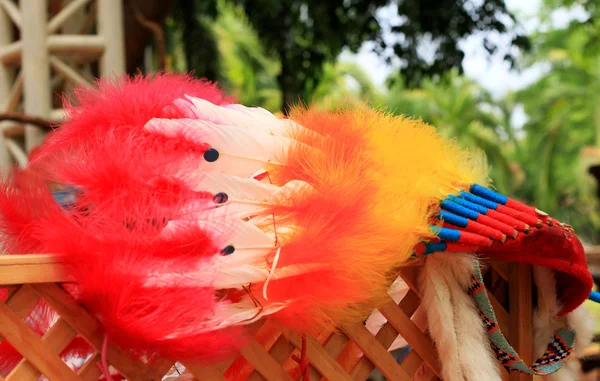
x=183, y=217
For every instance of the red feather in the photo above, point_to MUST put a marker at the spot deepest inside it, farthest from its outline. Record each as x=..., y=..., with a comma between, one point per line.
x=113, y=238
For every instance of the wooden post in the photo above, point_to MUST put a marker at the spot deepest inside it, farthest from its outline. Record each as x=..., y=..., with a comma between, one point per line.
x=521, y=315
x=6, y=79
x=111, y=28
x=35, y=67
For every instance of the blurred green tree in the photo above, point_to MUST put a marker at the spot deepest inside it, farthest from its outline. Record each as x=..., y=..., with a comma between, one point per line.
x=304, y=35
x=562, y=135
x=246, y=72
x=343, y=84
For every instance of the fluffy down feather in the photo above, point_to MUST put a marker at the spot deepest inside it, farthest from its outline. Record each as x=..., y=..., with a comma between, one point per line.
x=112, y=238
x=374, y=178
x=454, y=323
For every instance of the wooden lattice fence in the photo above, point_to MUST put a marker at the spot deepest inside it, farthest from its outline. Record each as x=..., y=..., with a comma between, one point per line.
x=348, y=352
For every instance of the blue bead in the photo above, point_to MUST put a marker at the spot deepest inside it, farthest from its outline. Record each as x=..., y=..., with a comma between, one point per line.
x=594, y=296
x=488, y=194
x=433, y=247
x=211, y=155
x=452, y=235
x=478, y=200
x=459, y=209
x=469, y=204
x=453, y=219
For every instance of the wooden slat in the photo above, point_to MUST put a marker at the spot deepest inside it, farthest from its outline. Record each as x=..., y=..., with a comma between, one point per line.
x=90, y=370
x=91, y=330
x=267, y=335
x=161, y=368
x=205, y=373
x=24, y=371
x=31, y=268
x=502, y=268
x=521, y=315
x=27, y=259
x=412, y=363
x=263, y=362
x=282, y=350
x=375, y=352
x=419, y=342
x=318, y=357
x=410, y=303
x=292, y=366
x=22, y=301
x=59, y=336
x=335, y=344
x=386, y=336
x=410, y=275
x=271, y=360
x=56, y=339
x=31, y=346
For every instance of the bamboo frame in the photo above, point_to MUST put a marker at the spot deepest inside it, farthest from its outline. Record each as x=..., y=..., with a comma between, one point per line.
x=349, y=352
x=6, y=79
x=52, y=46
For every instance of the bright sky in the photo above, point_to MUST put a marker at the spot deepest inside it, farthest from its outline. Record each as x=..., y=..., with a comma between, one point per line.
x=494, y=74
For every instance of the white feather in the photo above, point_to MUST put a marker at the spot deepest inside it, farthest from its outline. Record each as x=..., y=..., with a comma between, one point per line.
x=241, y=151
x=234, y=186
x=477, y=359
x=437, y=302
x=205, y=110
x=249, y=141
x=246, y=209
x=241, y=116
x=252, y=244
x=546, y=321
x=453, y=321
x=228, y=314
x=224, y=277
x=584, y=324
x=251, y=111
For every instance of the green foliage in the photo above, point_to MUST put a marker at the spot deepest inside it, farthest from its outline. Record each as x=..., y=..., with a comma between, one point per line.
x=344, y=83
x=305, y=35
x=192, y=37
x=246, y=72
x=564, y=117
